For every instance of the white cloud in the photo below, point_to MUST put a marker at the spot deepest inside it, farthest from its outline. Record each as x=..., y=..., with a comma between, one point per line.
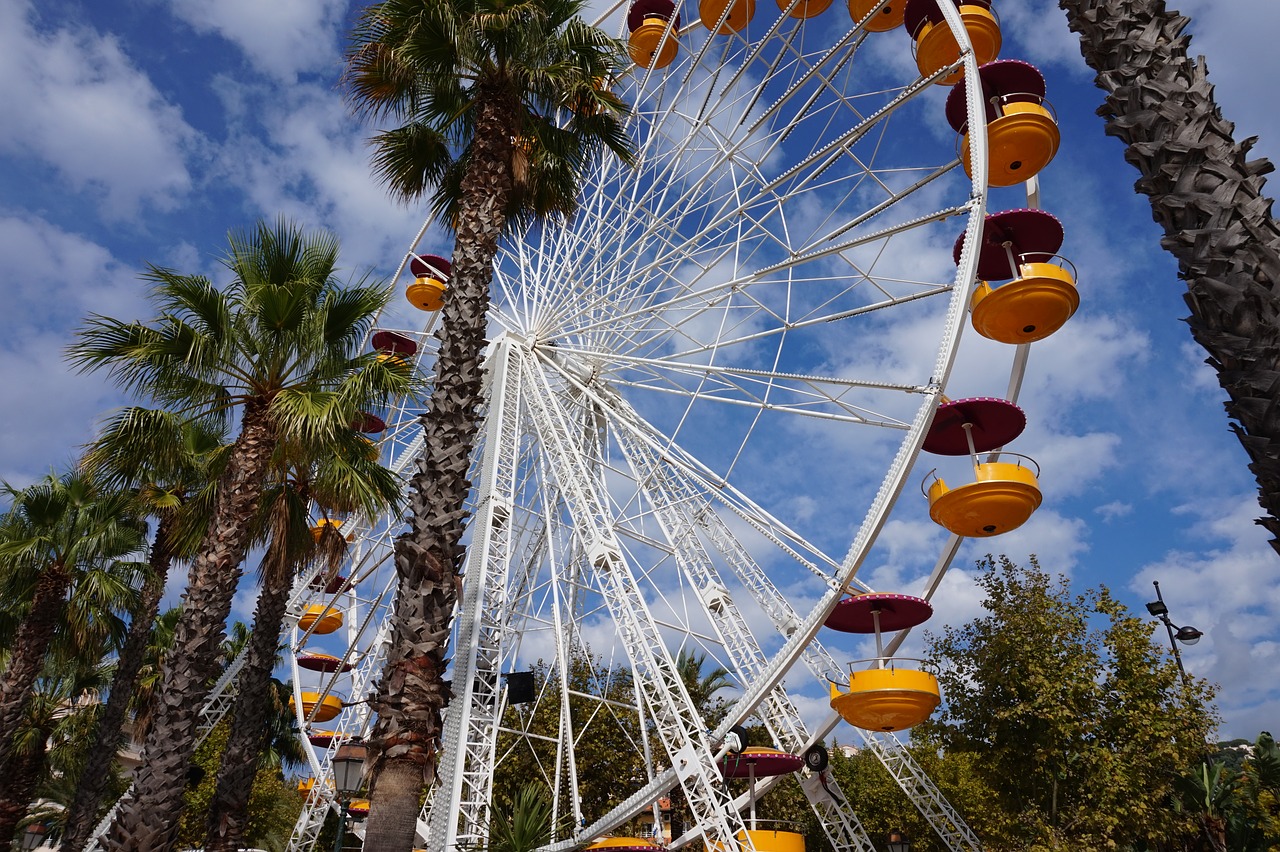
x=77, y=102
x=282, y=38
x=1231, y=591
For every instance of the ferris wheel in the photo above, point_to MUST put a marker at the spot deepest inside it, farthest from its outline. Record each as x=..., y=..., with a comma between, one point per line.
x=706, y=396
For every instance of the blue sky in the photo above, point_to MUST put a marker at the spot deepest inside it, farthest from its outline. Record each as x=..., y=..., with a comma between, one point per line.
x=142, y=130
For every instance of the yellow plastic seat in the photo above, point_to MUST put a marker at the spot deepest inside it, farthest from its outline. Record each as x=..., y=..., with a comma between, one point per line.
x=328, y=709
x=1020, y=143
x=426, y=294
x=936, y=47
x=1028, y=308
x=321, y=525
x=888, y=18
x=888, y=699
x=306, y=785
x=647, y=45
x=740, y=14
x=806, y=8
x=324, y=621
x=1003, y=497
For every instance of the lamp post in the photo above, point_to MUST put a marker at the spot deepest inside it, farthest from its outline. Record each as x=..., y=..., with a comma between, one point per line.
x=899, y=842
x=348, y=775
x=33, y=837
x=1187, y=635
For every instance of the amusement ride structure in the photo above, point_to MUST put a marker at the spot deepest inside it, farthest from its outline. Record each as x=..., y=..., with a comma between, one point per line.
x=705, y=398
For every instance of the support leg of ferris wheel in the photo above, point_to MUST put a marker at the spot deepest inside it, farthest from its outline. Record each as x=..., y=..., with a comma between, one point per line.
x=672, y=501
x=458, y=814
x=685, y=481
x=676, y=721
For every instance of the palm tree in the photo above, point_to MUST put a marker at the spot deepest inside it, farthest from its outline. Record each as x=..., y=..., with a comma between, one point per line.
x=61, y=533
x=58, y=720
x=344, y=480
x=1208, y=197
x=477, y=88
x=280, y=345
x=703, y=687
x=164, y=460
x=530, y=823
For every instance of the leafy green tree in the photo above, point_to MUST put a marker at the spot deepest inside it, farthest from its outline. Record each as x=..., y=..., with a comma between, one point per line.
x=274, y=803
x=168, y=464
x=1081, y=729
x=60, y=535
x=1262, y=794
x=477, y=89
x=280, y=346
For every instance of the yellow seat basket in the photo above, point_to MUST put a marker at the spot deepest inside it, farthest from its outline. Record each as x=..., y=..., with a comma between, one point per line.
x=806, y=8
x=318, y=530
x=426, y=294
x=1019, y=144
x=644, y=41
x=887, y=699
x=889, y=17
x=762, y=839
x=740, y=14
x=325, y=622
x=1002, y=499
x=936, y=47
x=1028, y=308
x=329, y=708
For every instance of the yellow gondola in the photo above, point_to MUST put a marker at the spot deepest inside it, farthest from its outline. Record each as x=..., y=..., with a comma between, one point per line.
x=934, y=45
x=888, y=18
x=740, y=13
x=886, y=699
x=324, y=709
x=1002, y=497
x=323, y=619
x=654, y=27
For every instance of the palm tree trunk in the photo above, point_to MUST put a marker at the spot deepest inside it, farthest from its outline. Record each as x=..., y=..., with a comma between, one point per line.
x=27, y=655
x=148, y=821
x=1207, y=196
x=17, y=789
x=96, y=775
x=412, y=692
x=229, y=812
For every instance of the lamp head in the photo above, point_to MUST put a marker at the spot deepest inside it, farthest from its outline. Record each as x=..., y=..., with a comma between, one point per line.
x=1157, y=608
x=1188, y=635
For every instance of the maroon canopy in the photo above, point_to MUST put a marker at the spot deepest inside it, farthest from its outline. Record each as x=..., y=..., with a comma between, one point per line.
x=897, y=612
x=995, y=422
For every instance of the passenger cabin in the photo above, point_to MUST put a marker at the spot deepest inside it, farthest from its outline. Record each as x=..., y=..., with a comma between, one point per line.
x=1005, y=491
x=1022, y=130
x=1022, y=245
x=883, y=693
x=936, y=47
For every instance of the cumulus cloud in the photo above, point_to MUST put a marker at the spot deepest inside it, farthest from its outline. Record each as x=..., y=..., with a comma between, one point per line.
x=78, y=102
x=281, y=39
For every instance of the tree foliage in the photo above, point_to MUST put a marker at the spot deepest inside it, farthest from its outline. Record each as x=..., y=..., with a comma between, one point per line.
x=1080, y=722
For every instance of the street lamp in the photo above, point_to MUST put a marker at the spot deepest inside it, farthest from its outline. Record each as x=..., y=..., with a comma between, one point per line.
x=348, y=775
x=33, y=837
x=899, y=842
x=1187, y=635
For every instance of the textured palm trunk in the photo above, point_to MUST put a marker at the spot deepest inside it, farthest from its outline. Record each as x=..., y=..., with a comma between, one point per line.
x=1207, y=195
x=148, y=820
x=27, y=654
x=18, y=788
x=83, y=813
x=255, y=702
x=412, y=693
